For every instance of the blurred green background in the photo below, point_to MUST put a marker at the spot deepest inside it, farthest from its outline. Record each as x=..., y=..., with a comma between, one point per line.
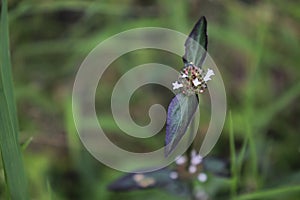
x=255, y=44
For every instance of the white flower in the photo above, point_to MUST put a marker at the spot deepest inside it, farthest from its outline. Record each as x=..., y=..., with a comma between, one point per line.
x=181, y=160
x=192, y=169
x=193, y=153
x=196, y=160
x=196, y=82
x=208, y=75
x=176, y=85
x=202, y=177
x=184, y=76
x=173, y=175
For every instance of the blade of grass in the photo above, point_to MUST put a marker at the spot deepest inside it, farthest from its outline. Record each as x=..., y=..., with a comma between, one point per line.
x=233, y=158
x=241, y=156
x=6, y=73
x=270, y=193
x=11, y=154
x=279, y=104
x=74, y=144
x=26, y=143
x=249, y=101
x=79, y=155
x=252, y=148
x=49, y=190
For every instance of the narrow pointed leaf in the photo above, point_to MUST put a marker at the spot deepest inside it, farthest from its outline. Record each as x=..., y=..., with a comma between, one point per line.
x=180, y=114
x=196, y=44
x=15, y=179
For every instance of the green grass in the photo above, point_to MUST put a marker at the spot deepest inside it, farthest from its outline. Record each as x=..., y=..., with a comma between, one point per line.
x=233, y=160
x=49, y=190
x=16, y=183
x=256, y=47
x=271, y=193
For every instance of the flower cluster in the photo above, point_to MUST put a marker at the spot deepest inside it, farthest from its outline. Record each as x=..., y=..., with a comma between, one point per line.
x=191, y=80
x=194, y=167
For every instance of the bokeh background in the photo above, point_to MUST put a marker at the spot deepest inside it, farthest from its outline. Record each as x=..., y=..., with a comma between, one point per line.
x=255, y=44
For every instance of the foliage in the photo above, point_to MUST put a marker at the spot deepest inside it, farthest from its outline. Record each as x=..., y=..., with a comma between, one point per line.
x=254, y=43
x=16, y=184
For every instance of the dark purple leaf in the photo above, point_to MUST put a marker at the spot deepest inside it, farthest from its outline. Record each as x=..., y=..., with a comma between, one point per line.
x=196, y=44
x=156, y=179
x=134, y=181
x=180, y=114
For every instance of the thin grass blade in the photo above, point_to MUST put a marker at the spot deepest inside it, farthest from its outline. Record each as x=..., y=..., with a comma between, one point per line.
x=10, y=149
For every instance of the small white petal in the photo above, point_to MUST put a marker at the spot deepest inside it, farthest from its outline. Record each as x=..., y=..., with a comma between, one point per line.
x=192, y=169
x=196, y=82
x=208, y=75
x=196, y=160
x=202, y=177
x=184, y=76
x=173, y=175
x=176, y=85
x=193, y=153
x=180, y=160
